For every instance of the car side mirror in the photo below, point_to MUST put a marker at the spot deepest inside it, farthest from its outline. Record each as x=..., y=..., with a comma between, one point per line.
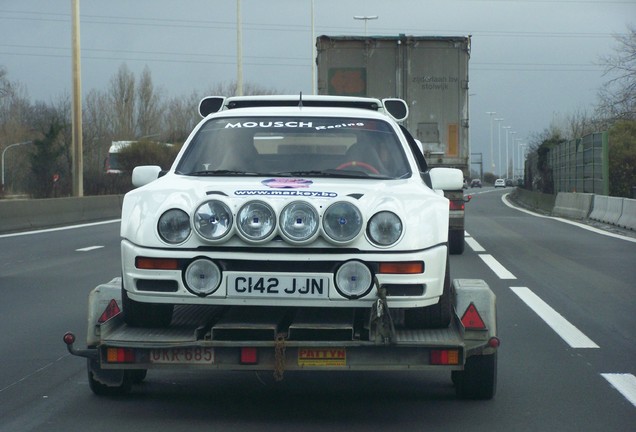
x=142, y=175
x=446, y=178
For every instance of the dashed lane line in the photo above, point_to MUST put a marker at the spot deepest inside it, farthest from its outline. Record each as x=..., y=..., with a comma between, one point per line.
x=472, y=243
x=570, y=334
x=624, y=383
x=89, y=248
x=496, y=267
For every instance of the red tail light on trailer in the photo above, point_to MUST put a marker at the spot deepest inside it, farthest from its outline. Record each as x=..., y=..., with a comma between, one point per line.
x=444, y=357
x=120, y=355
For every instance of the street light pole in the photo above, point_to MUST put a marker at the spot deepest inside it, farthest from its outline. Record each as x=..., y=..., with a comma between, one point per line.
x=499, y=120
x=522, y=165
x=313, y=51
x=507, y=128
x=365, y=18
x=512, y=174
x=3, y=152
x=78, y=161
x=492, y=157
x=239, y=50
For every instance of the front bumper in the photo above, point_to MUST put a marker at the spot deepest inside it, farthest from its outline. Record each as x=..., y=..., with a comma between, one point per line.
x=167, y=286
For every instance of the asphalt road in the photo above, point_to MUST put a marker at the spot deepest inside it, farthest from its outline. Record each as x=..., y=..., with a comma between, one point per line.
x=566, y=311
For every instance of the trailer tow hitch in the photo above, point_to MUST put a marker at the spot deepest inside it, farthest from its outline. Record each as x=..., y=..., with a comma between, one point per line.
x=381, y=328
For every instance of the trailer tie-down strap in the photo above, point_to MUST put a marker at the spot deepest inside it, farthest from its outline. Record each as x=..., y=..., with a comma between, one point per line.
x=381, y=328
x=279, y=357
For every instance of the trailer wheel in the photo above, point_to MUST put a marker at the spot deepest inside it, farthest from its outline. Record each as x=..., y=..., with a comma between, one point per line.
x=478, y=380
x=435, y=316
x=104, y=390
x=138, y=375
x=139, y=314
x=456, y=242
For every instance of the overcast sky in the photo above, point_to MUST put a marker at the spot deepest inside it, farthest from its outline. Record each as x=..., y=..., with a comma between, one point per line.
x=532, y=60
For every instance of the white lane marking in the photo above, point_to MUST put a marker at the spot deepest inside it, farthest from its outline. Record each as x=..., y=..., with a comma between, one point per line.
x=496, y=267
x=570, y=334
x=504, y=199
x=89, y=248
x=59, y=228
x=624, y=383
x=476, y=247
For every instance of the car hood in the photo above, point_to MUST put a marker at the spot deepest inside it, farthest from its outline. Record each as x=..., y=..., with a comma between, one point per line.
x=423, y=212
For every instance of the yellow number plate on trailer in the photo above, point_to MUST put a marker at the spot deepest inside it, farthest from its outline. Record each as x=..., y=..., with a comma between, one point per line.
x=326, y=357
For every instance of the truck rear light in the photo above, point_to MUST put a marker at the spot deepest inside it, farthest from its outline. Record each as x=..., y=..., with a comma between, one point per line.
x=444, y=357
x=157, y=263
x=249, y=355
x=414, y=267
x=471, y=320
x=120, y=355
x=457, y=205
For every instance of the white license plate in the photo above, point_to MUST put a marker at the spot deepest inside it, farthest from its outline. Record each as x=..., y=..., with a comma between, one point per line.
x=195, y=355
x=306, y=286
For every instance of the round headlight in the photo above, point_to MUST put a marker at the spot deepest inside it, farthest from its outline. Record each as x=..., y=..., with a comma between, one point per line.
x=384, y=228
x=255, y=221
x=174, y=226
x=354, y=279
x=299, y=222
x=213, y=220
x=202, y=277
x=342, y=222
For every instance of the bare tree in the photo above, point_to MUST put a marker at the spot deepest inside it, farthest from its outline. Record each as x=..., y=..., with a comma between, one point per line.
x=149, y=107
x=122, y=100
x=229, y=89
x=618, y=94
x=5, y=85
x=97, y=126
x=180, y=117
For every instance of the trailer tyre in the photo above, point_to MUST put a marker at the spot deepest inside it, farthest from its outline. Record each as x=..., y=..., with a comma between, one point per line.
x=139, y=314
x=436, y=316
x=138, y=375
x=478, y=380
x=104, y=390
x=456, y=242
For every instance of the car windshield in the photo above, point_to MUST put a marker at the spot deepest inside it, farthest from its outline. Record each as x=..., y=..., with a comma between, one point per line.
x=293, y=146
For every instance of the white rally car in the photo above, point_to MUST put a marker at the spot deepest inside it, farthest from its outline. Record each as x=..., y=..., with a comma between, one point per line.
x=313, y=202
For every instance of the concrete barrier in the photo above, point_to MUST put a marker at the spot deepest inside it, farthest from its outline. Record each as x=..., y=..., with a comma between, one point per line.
x=534, y=200
x=22, y=215
x=614, y=210
x=573, y=205
x=599, y=207
x=628, y=216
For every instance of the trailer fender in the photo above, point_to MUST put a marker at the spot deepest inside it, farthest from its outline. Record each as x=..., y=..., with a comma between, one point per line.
x=474, y=299
x=104, y=302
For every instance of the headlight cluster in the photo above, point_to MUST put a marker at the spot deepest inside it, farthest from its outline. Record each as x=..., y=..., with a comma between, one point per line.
x=298, y=223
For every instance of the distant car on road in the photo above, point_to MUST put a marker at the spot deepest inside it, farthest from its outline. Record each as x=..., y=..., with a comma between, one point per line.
x=500, y=183
x=509, y=182
x=475, y=183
